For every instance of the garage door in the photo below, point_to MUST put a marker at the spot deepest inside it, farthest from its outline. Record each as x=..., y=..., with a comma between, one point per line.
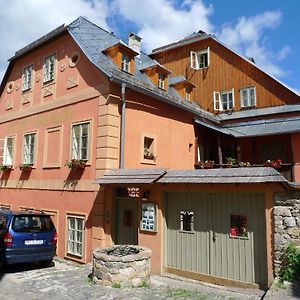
x=219, y=234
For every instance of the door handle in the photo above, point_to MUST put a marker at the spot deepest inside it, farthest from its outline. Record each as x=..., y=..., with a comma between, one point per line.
x=214, y=236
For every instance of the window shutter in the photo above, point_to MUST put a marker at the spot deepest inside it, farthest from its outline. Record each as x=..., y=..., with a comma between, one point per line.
x=232, y=99
x=217, y=101
x=4, y=159
x=194, y=60
x=208, y=56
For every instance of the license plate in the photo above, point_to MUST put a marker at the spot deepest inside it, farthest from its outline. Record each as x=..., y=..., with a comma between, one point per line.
x=34, y=242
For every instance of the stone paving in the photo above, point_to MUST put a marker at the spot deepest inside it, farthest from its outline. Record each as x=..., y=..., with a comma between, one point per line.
x=66, y=280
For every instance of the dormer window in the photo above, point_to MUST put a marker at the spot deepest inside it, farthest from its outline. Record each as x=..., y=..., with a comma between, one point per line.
x=188, y=92
x=161, y=80
x=125, y=65
x=27, y=78
x=200, y=59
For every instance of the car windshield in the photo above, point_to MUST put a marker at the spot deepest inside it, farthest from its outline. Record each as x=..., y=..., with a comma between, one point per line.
x=32, y=223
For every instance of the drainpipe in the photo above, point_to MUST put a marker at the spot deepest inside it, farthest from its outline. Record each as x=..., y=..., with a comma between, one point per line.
x=123, y=115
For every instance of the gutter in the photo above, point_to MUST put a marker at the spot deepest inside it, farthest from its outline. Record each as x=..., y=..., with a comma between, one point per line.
x=123, y=115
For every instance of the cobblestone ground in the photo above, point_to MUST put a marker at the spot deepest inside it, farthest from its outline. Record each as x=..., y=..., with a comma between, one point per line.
x=66, y=280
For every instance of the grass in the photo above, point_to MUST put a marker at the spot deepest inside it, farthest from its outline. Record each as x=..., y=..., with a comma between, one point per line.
x=116, y=285
x=185, y=294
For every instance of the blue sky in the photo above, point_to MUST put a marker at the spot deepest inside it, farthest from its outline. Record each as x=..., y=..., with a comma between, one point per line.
x=266, y=30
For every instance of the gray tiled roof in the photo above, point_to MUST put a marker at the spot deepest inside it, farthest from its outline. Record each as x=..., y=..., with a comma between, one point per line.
x=93, y=40
x=200, y=176
x=224, y=176
x=131, y=176
x=264, y=127
x=258, y=112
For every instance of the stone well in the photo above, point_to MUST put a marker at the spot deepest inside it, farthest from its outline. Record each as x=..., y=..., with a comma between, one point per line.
x=127, y=265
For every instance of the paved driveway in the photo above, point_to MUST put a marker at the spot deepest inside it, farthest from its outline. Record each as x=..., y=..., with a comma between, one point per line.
x=66, y=280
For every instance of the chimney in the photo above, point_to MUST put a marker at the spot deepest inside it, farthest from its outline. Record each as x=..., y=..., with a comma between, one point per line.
x=134, y=42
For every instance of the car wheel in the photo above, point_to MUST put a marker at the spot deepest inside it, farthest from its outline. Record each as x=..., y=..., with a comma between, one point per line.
x=46, y=263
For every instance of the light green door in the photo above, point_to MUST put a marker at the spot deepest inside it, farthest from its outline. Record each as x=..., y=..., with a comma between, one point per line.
x=219, y=234
x=126, y=221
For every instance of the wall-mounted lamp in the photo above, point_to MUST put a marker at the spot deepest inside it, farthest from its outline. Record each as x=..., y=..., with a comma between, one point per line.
x=146, y=195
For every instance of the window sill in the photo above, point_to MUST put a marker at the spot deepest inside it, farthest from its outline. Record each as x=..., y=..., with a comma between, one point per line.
x=148, y=162
x=188, y=232
x=75, y=257
x=49, y=82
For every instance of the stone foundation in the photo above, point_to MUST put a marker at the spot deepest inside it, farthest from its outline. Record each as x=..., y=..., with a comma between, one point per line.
x=128, y=270
x=286, y=224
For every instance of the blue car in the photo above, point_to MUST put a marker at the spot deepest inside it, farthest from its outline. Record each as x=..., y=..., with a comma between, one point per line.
x=26, y=237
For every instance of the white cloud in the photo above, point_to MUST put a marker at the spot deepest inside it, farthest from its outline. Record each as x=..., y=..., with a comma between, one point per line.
x=161, y=22
x=22, y=22
x=247, y=38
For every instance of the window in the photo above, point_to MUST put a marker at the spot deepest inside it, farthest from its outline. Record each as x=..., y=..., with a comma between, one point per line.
x=224, y=100
x=187, y=221
x=248, y=97
x=238, y=226
x=200, y=60
x=149, y=148
x=29, y=148
x=125, y=63
x=75, y=235
x=80, y=141
x=49, y=68
x=161, y=80
x=9, y=146
x=188, y=92
x=27, y=78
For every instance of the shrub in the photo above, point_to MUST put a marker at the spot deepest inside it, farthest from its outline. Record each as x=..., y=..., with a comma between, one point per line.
x=291, y=264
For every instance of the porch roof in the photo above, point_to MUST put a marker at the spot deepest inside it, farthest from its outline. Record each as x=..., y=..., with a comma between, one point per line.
x=215, y=176
x=131, y=176
x=223, y=176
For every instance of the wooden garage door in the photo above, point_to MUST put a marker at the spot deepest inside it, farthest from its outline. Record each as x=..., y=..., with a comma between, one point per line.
x=219, y=234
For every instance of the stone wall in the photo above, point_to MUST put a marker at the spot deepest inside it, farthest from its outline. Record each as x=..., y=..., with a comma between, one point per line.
x=286, y=224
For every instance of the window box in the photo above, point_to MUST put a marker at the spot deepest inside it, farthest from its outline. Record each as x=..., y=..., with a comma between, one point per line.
x=276, y=164
x=76, y=164
x=5, y=167
x=26, y=167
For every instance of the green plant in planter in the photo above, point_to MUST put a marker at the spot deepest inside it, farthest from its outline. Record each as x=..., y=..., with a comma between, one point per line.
x=231, y=161
x=291, y=264
x=25, y=167
x=75, y=164
x=5, y=167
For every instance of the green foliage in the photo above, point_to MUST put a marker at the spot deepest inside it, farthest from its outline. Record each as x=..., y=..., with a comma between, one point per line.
x=231, y=161
x=144, y=284
x=116, y=285
x=291, y=264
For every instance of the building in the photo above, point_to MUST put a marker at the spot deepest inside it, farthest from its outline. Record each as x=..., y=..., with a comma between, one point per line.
x=79, y=102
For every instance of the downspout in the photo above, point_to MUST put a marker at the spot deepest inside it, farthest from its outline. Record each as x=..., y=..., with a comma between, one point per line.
x=123, y=115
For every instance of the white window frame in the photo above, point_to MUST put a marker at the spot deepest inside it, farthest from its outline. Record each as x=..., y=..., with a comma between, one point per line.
x=73, y=242
x=125, y=64
x=246, y=102
x=9, y=151
x=195, y=57
x=77, y=143
x=218, y=100
x=188, y=93
x=49, y=68
x=29, y=148
x=27, y=78
x=161, y=80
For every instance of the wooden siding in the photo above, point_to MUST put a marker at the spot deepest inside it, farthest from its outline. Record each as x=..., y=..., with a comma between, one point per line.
x=226, y=71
